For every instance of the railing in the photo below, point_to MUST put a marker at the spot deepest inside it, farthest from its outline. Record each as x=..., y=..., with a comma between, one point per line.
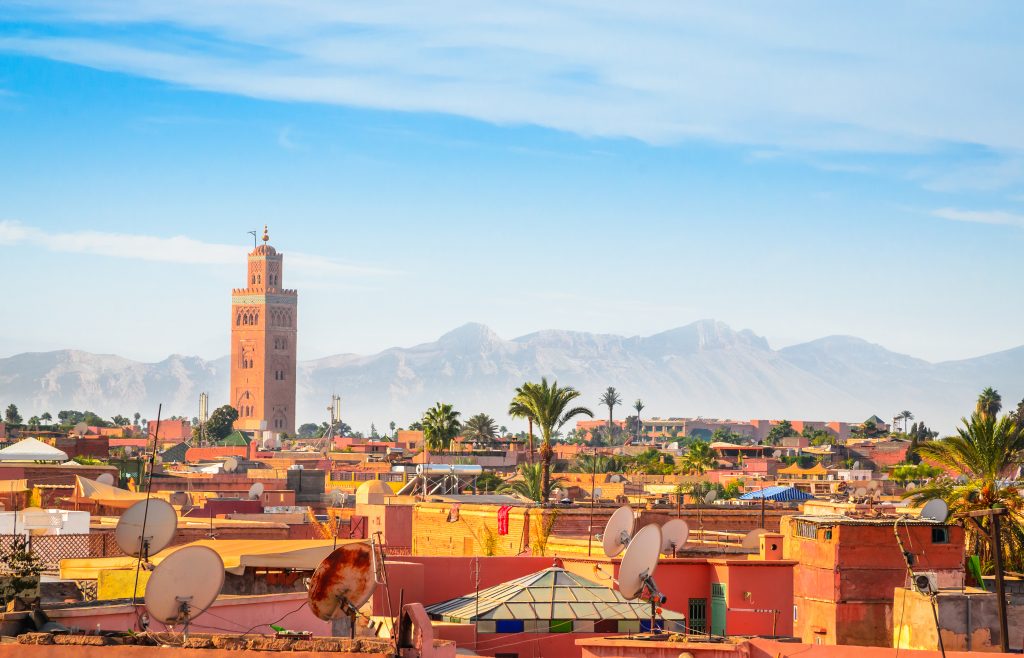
x=51, y=549
x=716, y=538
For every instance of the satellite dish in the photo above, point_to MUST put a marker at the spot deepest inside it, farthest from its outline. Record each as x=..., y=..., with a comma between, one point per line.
x=184, y=585
x=911, y=486
x=618, y=531
x=861, y=491
x=962, y=479
x=710, y=497
x=776, y=454
x=255, y=491
x=161, y=523
x=343, y=582
x=753, y=538
x=856, y=465
x=230, y=465
x=106, y=478
x=182, y=499
x=80, y=429
x=336, y=498
x=935, y=510
x=674, y=535
x=640, y=561
x=615, y=477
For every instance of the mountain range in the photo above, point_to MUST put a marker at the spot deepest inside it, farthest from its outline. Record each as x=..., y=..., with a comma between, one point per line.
x=702, y=369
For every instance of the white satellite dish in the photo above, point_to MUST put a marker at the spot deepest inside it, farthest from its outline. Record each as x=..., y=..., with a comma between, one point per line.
x=618, y=531
x=184, y=585
x=861, y=491
x=230, y=465
x=776, y=454
x=161, y=524
x=80, y=429
x=710, y=497
x=674, y=535
x=856, y=465
x=640, y=561
x=106, y=478
x=911, y=486
x=935, y=510
x=753, y=538
x=336, y=498
x=255, y=491
x=962, y=479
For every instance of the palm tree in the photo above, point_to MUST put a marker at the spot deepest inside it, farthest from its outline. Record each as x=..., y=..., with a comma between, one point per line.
x=639, y=406
x=531, y=486
x=480, y=428
x=699, y=459
x=905, y=416
x=989, y=402
x=610, y=398
x=46, y=417
x=440, y=425
x=985, y=449
x=548, y=407
x=591, y=463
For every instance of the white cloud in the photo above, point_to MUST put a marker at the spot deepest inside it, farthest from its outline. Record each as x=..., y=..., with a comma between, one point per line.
x=175, y=249
x=1000, y=217
x=876, y=77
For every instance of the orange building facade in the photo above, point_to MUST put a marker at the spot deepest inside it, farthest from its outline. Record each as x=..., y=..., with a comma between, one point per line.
x=264, y=317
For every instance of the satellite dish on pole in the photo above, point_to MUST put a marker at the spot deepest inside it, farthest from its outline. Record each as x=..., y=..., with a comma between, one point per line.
x=182, y=499
x=710, y=497
x=106, y=478
x=673, y=536
x=161, y=524
x=184, y=585
x=618, y=531
x=343, y=582
x=336, y=498
x=230, y=465
x=255, y=491
x=640, y=561
x=935, y=510
x=753, y=538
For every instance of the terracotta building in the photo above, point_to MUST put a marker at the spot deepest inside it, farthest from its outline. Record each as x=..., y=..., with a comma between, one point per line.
x=263, y=332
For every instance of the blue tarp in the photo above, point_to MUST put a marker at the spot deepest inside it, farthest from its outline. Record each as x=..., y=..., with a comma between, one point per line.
x=780, y=494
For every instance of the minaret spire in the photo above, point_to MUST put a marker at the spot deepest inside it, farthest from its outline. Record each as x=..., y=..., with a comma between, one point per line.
x=266, y=236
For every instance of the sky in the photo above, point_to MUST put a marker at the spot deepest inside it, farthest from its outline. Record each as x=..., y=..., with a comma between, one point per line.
x=798, y=169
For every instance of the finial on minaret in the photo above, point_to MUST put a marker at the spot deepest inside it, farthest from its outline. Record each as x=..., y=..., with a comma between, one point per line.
x=266, y=236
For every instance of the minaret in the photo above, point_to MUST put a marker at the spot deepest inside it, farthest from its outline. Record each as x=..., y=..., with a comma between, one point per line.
x=263, y=332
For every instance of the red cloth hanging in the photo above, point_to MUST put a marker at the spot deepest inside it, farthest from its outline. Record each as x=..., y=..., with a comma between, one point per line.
x=503, y=519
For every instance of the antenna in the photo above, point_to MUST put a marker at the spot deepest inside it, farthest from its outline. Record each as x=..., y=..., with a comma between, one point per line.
x=184, y=585
x=146, y=528
x=936, y=511
x=253, y=234
x=343, y=582
x=105, y=478
x=673, y=536
x=618, y=531
x=636, y=571
x=255, y=491
x=230, y=465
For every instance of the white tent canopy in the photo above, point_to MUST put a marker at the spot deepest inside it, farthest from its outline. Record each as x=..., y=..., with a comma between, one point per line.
x=32, y=450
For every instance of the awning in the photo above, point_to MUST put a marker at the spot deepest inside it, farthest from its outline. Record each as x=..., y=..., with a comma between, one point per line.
x=299, y=554
x=32, y=450
x=109, y=495
x=778, y=494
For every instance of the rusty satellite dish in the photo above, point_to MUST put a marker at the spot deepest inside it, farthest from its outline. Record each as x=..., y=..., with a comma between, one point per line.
x=342, y=582
x=184, y=585
x=146, y=528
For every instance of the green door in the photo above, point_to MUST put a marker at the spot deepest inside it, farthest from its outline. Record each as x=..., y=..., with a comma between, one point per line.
x=718, y=609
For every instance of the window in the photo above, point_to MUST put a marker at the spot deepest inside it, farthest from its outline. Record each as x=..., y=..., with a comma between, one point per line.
x=806, y=530
x=940, y=535
x=698, y=616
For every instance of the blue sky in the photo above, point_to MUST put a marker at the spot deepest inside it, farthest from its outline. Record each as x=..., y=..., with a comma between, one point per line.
x=805, y=171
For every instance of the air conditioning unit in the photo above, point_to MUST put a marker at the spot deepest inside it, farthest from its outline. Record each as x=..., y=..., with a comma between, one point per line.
x=926, y=582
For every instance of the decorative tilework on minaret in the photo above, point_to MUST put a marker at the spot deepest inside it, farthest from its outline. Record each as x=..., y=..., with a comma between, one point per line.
x=263, y=332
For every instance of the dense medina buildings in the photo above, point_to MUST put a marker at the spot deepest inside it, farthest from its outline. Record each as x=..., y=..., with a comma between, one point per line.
x=802, y=559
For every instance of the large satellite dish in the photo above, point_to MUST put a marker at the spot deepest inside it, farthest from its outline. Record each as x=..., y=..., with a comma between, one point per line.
x=674, y=535
x=182, y=499
x=753, y=538
x=255, y=491
x=146, y=528
x=230, y=465
x=640, y=561
x=336, y=498
x=618, y=531
x=343, y=582
x=184, y=585
x=106, y=478
x=935, y=510
x=710, y=497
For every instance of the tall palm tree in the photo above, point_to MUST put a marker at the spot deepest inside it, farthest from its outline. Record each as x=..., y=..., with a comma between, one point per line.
x=549, y=407
x=610, y=398
x=699, y=459
x=518, y=408
x=480, y=428
x=638, y=404
x=440, y=426
x=905, y=416
x=989, y=402
x=591, y=463
x=985, y=449
x=532, y=485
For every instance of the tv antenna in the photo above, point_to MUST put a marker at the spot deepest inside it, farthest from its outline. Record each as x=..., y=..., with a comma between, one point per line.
x=636, y=571
x=673, y=536
x=184, y=585
x=146, y=528
x=343, y=582
x=255, y=237
x=618, y=531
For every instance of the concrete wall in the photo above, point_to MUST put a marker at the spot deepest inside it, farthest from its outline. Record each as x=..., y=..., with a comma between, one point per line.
x=969, y=621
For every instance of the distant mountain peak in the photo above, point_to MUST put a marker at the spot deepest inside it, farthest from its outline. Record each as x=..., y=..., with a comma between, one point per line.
x=470, y=334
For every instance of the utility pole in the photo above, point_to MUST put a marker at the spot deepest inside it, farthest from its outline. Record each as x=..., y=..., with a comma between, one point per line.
x=995, y=541
x=593, y=487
